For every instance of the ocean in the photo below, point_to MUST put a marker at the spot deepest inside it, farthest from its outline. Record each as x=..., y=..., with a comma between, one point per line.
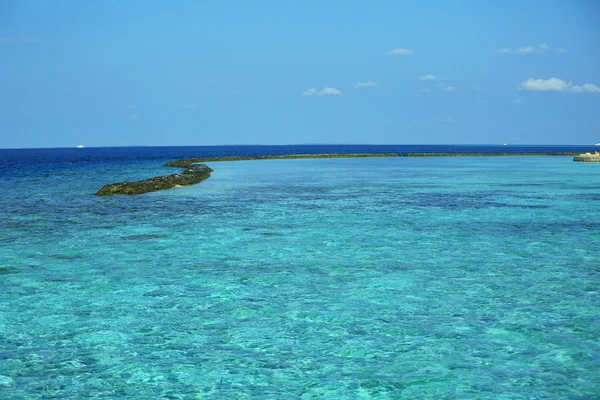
x=373, y=278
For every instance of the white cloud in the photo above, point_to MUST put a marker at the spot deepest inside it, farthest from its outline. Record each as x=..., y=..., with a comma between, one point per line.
x=587, y=87
x=441, y=84
x=541, y=48
x=557, y=85
x=524, y=50
x=517, y=101
x=426, y=90
x=430, y=78
x=188, y=106
x=400, y=52
x=450, y=88
x=548, y=85
x=310, y=92
x=328, y=91
x=362, y=85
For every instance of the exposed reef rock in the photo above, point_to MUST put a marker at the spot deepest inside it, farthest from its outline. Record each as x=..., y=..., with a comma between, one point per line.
x=587, y=157
x=192, y=174
x=195, y=173
x=186, y=162
x=484, y=154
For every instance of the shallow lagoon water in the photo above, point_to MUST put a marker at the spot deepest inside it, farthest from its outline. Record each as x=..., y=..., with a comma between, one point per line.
x=395, y=278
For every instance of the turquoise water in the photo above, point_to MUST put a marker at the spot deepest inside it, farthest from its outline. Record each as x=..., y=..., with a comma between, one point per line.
x=395, y=278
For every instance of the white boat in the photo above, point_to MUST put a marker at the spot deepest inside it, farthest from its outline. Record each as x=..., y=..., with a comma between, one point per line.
x=597, y=144
x=79, y=146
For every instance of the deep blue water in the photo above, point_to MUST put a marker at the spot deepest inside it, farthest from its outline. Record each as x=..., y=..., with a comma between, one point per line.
x=102, y=154
x=383, y=278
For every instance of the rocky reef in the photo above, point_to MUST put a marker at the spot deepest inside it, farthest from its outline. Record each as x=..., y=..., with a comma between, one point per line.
x=484, y=154
x=186, y=162
x=587, y=157
x=194, y=173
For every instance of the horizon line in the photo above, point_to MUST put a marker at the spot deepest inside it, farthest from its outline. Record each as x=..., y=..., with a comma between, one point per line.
x=296, y=144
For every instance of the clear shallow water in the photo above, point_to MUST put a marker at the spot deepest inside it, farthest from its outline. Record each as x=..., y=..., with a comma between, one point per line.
x=336, y=278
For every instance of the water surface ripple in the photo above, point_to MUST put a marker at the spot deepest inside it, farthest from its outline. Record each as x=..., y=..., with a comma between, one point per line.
x=396, y=278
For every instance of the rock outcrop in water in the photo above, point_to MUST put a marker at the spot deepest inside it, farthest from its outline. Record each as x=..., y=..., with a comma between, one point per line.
x=587, y=157
x=485, y=154
x=184, y=163
x=194, y=173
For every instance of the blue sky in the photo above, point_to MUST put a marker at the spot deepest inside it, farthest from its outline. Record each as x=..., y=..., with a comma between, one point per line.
x=284, y=72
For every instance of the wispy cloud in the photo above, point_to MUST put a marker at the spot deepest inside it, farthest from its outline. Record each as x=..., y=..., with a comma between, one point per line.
x=326, y=91
x=329, y=91
x=363, y=85
x=425, y=90
x=481, y=101
x=130, y=106
x=3, y=40
x=133, y=117
x=557, y=85
x=188, y=106
x=539, y=49
x=400, y=52
x=31, y=40
x=525, y=50
x=430, y=78
x=586, y=87
x=517, y=101
x=450, y=88
x=545, y=85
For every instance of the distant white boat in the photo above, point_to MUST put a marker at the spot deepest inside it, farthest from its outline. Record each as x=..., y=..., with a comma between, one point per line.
x=597, y=144
x=80, y=146
x=505, y=144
